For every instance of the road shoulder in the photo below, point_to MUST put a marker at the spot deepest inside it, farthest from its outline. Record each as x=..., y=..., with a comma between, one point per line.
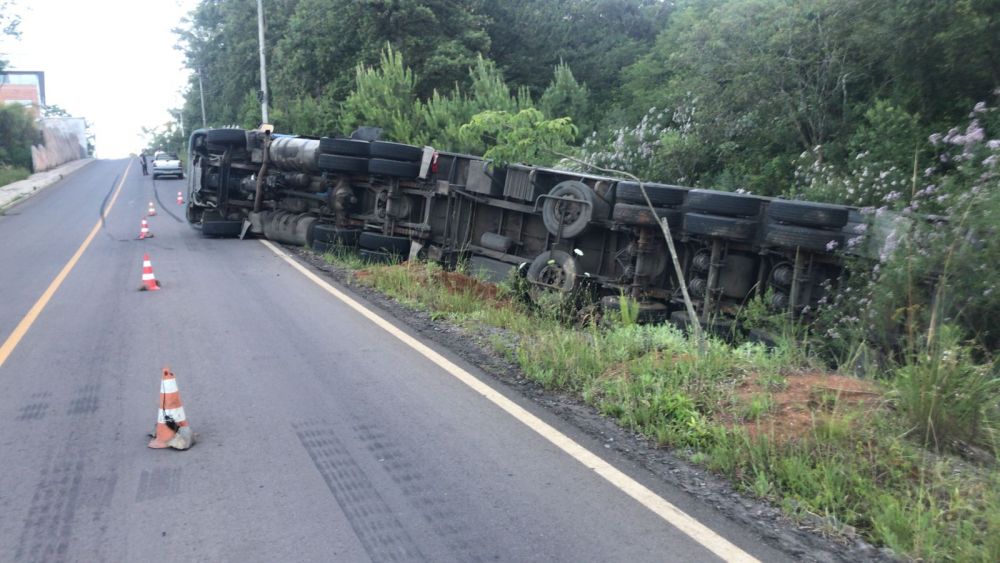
x=808, y=540
x=18, y=191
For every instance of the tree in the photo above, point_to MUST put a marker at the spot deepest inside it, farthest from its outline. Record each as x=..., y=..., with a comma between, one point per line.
x=596, y=38
x=525, y=136
x=439, y=38
x=565, y=97
x=767, y=79
x=384, y=97
x=319, y=53
x=219, y=39
x=54, y=111
x=17, y=133
x=9, y=20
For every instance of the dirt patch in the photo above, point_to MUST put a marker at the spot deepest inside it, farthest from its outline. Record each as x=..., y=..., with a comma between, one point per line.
x=455, y=282
x=791, y=409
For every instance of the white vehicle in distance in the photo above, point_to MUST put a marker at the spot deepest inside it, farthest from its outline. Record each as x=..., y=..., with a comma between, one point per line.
x=167, y=164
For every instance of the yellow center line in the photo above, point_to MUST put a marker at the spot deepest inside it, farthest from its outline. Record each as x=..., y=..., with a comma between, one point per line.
x=22, y=327
x=667, y=511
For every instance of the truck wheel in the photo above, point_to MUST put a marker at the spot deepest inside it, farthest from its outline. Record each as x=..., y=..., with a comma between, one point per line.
x=376, y=257
x=227, y=137
x=382, y=243
x=720, y=227
x=653, y=312
x=723, y=203
x=221, y=228
x=346, y=147
x=660, y=195
x=641, y=216
x=394, y=168
x=337, y=163
x=790, y=236
x=334, y=235
x=568, y=218
x=553, y=270
x=808, y=214
x=396, y=151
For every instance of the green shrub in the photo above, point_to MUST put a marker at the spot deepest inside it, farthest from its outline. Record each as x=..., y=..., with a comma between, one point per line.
x=11, y=174
x=947, y=398
x=17, y=134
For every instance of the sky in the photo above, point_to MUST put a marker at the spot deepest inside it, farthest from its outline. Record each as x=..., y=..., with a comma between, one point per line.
x=113, y=62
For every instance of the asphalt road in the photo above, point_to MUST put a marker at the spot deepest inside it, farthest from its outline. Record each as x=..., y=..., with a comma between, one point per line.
x=321, y=437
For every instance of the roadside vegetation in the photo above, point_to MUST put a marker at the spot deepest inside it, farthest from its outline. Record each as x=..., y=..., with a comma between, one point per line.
x=17, y=133
x=878, y=413
x=11, y=174
x=868, y=456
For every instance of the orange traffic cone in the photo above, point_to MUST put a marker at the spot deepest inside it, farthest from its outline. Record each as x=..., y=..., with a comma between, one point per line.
x=149, y=282
x=172, y=430
x=152, y=210
x=144, y=231
x=180, y=198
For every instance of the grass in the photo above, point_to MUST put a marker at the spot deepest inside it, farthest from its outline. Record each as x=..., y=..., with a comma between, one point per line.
x=848, y=463
x=11, y=174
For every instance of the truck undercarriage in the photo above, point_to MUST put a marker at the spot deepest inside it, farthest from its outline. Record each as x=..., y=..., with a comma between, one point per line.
x=564, y=231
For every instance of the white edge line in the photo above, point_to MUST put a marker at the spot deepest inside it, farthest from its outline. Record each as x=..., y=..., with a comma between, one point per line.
x=660, y=506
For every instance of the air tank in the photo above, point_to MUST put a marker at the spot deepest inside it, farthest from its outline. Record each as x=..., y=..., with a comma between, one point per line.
x=295, y=153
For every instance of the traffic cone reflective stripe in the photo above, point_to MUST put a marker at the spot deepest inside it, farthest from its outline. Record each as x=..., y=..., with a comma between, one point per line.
x=180, y=198
x=172, y=429
x=152, y=210
x=149, y=282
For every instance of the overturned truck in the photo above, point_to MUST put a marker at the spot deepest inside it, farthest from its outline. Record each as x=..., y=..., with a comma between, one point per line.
x=564, y=231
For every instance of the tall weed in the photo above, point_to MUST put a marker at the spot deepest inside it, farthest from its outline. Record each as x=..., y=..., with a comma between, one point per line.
x=948, y=399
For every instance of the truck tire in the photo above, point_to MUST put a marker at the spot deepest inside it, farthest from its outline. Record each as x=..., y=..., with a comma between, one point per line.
x=221, y=228
x=730, y=228
x=815, y=240
x=344, y=147
x=337, y=163
x=227, y=137
x=396, y=151
x=640, y=215
x=334, y=235
x=552, y=270
x=376, y=257
x=399, y=246
x=723, y=203
x=394, y=168
x=572, y=219
x=808, y=214
x=660, y=195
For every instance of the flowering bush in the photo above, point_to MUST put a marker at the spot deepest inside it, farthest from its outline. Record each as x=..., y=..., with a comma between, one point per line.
x=938, y=259
x=663, y=147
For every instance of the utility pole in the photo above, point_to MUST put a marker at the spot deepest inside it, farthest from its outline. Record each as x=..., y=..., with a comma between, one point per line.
x=180, y=116
x=263, y=65
x=201, y=90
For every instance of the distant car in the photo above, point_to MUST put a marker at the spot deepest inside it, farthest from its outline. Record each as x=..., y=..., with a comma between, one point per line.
x=167, y=164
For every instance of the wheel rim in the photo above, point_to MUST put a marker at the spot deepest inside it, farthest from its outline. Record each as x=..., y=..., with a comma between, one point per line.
x=552, y=276
x=569, y=212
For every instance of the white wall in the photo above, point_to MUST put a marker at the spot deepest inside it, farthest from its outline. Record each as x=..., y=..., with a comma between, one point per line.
x=63, y=139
